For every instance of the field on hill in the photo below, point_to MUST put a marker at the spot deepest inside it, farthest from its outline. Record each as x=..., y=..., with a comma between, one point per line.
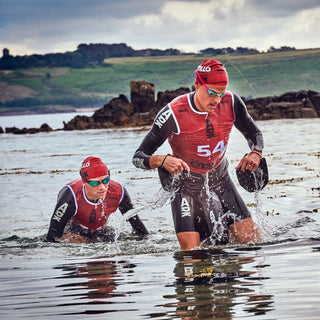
x=57, y=89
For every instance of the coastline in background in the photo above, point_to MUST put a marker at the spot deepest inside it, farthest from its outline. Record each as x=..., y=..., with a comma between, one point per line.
x=54, y=120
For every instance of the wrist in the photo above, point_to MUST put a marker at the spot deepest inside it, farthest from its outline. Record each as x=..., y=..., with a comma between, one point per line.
x=258, y=152
x=156, y=161
x=164, y=159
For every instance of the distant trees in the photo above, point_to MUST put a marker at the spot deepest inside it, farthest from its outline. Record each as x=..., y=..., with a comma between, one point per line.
x=281, y=49
x=243, y=50
x=229, y=50
x=94, y=54
x=68, y=59
x=85, y=55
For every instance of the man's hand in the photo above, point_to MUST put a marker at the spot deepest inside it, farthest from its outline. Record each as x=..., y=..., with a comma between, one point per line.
x=249, y=162
x=175, y=165
x=71, y=237
x=170, y=163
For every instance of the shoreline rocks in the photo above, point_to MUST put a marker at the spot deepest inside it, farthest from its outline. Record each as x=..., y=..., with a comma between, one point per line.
x=141, y=111
x=290, y=105
x=43, y=128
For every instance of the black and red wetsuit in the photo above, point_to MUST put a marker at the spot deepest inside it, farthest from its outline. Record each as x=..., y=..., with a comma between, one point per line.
x=201, y=139
x=89, y=218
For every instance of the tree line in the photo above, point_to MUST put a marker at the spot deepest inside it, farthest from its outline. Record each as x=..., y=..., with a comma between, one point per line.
x=94, y=54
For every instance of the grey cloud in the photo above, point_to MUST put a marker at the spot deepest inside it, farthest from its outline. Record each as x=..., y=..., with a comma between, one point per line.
x=68, y=9
x=44, y=26
x=281, y=8
x=68, y=20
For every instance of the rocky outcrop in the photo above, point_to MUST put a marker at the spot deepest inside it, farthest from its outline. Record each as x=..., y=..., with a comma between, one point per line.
x=119, y=112
x=116, y=113
x=142, y=109
x=142, y=96
x=163, y=98
x=300, y=104
x=44, y=128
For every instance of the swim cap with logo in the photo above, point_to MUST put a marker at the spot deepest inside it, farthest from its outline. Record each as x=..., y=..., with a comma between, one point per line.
x=93, y=167
x=212, y=72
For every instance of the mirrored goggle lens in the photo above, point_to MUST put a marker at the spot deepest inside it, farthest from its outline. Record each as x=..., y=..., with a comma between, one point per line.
x=94, y=183
x=213, y=94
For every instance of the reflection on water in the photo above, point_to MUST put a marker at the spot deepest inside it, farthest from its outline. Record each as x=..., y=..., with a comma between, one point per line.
x=206, y=285
x=209, y=281
x=99, y=281
x=227, y=283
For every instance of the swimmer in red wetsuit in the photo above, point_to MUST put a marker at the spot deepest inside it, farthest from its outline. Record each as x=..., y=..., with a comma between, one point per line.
x=197, y=125
x=84, y=205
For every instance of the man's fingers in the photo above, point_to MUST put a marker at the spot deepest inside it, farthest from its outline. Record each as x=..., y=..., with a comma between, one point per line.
x=176, y=165
x=185, y=166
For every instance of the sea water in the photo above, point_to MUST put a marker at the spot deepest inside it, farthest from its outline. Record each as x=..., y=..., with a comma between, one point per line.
x=142, y=279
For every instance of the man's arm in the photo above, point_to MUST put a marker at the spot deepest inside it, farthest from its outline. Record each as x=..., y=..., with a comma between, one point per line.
x=64, y=210
x=246, y=125
x=163, y=126
x=137, y=225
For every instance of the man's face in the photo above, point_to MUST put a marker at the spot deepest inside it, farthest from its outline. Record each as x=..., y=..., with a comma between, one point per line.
x=203, y=101
x=98, y=192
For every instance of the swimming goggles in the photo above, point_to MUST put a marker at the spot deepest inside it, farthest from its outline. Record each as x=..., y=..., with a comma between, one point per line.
x=94, y=183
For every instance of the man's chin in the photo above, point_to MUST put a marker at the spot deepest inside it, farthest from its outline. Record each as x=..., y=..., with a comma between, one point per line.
x=211, y=108
x=101, y=196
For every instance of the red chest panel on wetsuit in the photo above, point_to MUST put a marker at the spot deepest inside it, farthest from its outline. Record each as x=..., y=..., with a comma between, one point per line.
x=203, y=136
x=94, y=215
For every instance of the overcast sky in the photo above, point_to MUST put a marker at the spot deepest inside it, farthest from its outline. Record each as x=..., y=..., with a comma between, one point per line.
x=45, y=26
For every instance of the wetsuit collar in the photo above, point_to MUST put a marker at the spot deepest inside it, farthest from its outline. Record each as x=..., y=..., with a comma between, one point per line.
x=193, y=105
x=192, y=101
x=95, y=202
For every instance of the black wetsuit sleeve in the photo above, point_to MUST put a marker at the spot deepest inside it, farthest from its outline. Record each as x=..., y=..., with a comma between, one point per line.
x=163, y=126
x=137, y=225
x=64, y=210
x=246, y=125
x=125, y=204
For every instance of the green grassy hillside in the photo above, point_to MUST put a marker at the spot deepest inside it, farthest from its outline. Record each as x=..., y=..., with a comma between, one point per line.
x=251, y=75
